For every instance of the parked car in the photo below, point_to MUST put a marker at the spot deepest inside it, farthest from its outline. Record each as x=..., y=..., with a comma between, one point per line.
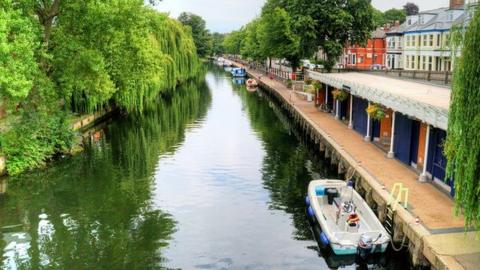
x=376, y=67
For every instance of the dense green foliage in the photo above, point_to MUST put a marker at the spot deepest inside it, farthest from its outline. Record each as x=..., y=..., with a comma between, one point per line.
x=233, y=41
x=201, y=36
x=389, y=17
x=217, y=43
x=276, y=37
x=296, y=29
x=63, y=57
x=410, y=8
x=462, y=147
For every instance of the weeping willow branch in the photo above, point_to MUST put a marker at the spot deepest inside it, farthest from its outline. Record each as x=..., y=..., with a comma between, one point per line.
x=462, y=146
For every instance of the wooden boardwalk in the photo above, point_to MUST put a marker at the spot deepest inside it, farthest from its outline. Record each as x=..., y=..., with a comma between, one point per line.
x=444, y=244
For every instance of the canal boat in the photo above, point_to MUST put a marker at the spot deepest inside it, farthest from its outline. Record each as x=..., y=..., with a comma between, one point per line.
x=252, y=83
x=348, y=225
x=238, y=72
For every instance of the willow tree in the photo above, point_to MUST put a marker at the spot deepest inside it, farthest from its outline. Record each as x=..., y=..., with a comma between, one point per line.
x=18, y=66
x=463, y=140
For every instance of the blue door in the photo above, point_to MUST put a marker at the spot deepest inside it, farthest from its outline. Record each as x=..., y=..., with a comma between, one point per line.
x=403, y=137
x=360, y=116
x=330, y=99
x=375, y=129
x=437, y=162
x=415, y=141
x=343, y=109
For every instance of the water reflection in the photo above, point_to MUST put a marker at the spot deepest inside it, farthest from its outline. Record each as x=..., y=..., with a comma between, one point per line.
x=210, y=178
x=94, y=210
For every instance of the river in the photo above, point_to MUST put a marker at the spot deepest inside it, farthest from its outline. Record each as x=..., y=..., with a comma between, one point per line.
x=210, y=178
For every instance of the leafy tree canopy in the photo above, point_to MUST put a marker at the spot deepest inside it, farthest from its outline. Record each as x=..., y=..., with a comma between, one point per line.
x=201, y=36
x=410, y=9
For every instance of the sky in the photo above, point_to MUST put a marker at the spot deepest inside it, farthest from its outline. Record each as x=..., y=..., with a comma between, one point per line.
x=227, y=15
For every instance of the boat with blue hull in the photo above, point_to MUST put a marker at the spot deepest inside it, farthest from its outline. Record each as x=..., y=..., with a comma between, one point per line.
x=238, y=72
x=348, y=224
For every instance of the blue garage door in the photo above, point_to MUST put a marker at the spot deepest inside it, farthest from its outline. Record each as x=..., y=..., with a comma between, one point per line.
x=403, y=137
x=360, y=117
x=437, y=162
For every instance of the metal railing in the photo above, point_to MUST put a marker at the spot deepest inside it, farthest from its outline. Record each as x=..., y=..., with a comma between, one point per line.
x=443, y=77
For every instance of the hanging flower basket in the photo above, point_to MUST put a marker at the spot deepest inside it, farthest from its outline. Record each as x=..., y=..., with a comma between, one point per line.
x=376, y=111
x=317, y=85
x=339, y=95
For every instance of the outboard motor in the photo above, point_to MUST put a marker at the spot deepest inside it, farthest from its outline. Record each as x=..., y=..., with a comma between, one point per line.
x=364, y=246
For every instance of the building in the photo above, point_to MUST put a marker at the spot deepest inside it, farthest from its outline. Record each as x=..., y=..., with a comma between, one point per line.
x=413, y=129
x=427, y=37
x=394, y=42
x=372, y=56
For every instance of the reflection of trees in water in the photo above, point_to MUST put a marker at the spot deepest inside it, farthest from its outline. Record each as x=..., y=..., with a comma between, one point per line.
x=287, y=166
x=98, y=203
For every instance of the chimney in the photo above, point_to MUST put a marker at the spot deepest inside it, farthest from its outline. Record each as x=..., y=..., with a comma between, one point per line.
x=456, y=4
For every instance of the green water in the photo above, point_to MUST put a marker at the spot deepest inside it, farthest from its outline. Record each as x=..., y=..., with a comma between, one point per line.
x=211, y=178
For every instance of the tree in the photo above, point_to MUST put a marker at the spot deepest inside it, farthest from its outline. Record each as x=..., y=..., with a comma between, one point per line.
x=233, y=42
x=217, y=43
x=327, y=24
x=59, y=57
x=251, y=44
x=18, y=44
x=276, y=36
x=393, y=15
x=462, y=147
x=410, y=9
x=378, y=18
x=200, y=34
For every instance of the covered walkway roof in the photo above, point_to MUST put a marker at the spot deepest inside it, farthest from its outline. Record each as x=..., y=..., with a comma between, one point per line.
x=428, y=103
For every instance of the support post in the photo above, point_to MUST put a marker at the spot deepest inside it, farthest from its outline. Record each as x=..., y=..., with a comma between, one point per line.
x=391, y=154
x=326, y=96
x=337, y=109
x=423, y=177
x=350, y=120
x=369, y=120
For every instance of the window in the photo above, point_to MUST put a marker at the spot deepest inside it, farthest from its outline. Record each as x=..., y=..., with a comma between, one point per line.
x=430, y=40
x=438, y=40
x=354, y=59
x=430, y=63
x=424, y=63
x=414, y=40
x=424, y=38
x=412, y=62
x=407, y=59
x=447, y=40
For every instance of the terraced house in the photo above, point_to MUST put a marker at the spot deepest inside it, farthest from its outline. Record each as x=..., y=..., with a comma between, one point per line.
x=426, y=37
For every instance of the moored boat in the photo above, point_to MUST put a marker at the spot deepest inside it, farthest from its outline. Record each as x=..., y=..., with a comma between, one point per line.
x=238, y=72
x=348, y=225
x=252, y=83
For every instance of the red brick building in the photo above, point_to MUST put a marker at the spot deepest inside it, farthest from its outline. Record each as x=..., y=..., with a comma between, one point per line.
x=373, y=56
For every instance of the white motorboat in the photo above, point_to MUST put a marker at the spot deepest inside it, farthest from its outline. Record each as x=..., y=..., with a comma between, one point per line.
x=348, y=224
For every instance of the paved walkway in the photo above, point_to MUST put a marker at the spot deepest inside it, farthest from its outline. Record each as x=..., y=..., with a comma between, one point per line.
x=434, y=208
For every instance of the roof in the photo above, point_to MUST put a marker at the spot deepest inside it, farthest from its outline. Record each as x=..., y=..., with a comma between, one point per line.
x=397, y=29
x=378, y=33
x=428, y=103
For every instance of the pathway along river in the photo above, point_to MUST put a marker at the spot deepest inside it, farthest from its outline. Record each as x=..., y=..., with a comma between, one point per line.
x=209, y=179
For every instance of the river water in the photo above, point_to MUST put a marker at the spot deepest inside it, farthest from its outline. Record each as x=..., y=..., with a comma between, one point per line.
x=210, y=178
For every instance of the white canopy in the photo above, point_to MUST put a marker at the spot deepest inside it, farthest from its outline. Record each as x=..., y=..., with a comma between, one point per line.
x=426, y=102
